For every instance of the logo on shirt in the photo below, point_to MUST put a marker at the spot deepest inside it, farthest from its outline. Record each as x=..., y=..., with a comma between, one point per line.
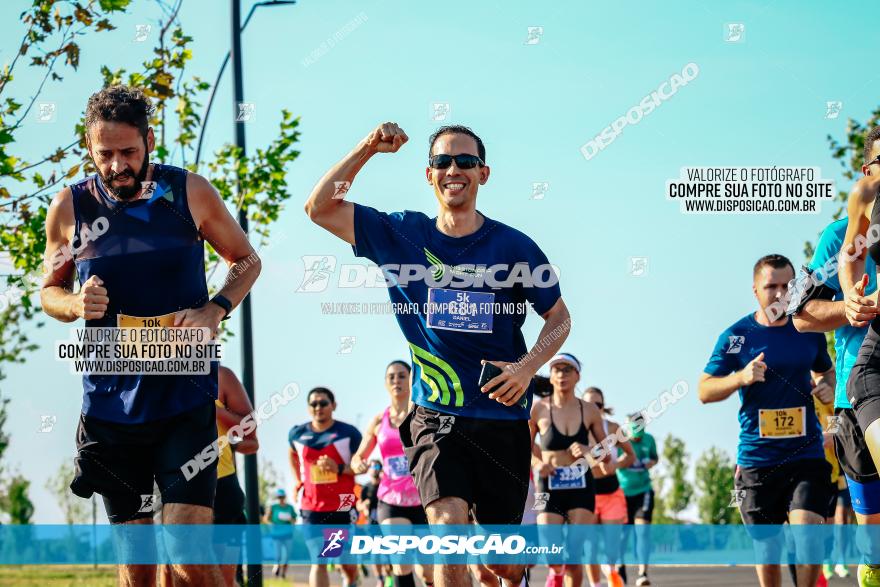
x=346, y=502
x=736, y=344
x=333, y=541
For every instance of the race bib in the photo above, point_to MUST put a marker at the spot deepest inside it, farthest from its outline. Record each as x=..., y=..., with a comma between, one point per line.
x=464, y=311
x=568, y=478
x=125, y=321
x=398, y=466
x=782, y=423
x=284, y=516
x=320, y=476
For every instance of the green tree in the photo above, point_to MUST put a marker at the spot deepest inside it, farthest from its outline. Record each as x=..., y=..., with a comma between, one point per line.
x=678, y=497
x=75, y=509
x=714, y=480
x=14, y=501
x=269, y=480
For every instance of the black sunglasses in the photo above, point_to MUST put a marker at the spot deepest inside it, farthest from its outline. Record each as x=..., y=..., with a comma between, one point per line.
x=874, y=160
x=463, y=161
x=320, y=404
x=599, y=405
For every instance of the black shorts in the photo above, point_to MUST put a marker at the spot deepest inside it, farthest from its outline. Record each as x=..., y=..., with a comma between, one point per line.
x=863, y=385
x=415, y=514
x=484, y=462
x=561, y=501
x=329, y=518
x=640, y=506
x=229, y=501
x=121, y=461
x=852, y=451
x=768, y=494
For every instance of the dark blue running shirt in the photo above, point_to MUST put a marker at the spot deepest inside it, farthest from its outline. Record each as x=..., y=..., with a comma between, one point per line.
x=446, y=348
x=151, y=260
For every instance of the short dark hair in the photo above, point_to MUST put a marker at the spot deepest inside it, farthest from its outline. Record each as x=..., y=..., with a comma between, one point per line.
x=774, y=260
x=870, y=138
x=456, y=129
x=323, y=390
x=120, y=104
x=403, y=364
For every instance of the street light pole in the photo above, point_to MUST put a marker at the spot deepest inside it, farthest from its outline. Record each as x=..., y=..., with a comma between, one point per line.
x=251, y=483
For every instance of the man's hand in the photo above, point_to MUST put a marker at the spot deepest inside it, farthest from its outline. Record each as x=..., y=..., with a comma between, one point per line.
x=387, y=138
x=359, y=465
x=327, y=464
x=545, y=470
x=823, y=391
x=860, y=310
x=208, y=316
x=512, y=383
x=91, y=301
x=754, y=371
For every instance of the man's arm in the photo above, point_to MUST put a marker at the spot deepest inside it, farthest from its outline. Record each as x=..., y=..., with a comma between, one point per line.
x=359, y=462
x=821, y=316
x=294, y=468
x=851, y=267
x=56, y=293
x=515, y=377
x=238, y=405
x=823, y=385
x=217, y=226
x=326, y=206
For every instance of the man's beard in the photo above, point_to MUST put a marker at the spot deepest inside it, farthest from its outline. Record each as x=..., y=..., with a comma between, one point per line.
x=126, y=192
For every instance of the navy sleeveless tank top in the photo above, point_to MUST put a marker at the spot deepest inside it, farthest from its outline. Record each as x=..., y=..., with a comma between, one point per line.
x=152, y=262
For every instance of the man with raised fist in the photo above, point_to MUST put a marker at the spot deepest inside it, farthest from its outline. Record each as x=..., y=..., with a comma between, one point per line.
x=782, y=475
x=466, y=282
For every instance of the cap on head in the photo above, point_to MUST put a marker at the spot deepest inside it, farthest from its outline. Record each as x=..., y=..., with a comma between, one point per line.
x=280, y=493
x=566, y=358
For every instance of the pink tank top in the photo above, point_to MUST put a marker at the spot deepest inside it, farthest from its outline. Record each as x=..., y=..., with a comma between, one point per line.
x=396, y=486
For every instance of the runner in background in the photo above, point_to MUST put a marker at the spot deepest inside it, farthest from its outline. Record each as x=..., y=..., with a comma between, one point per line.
x=782, y=475
x=320, y=451
x=281, y=516
x=636, y=484
x=565, y=424
x=398, y=499
x=610, y=500
x=232, y=405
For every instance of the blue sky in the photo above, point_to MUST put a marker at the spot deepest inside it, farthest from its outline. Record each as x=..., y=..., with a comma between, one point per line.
x=756, y=103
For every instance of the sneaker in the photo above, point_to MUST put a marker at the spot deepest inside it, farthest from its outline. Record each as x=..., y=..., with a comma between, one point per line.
x=642, y=580
x=841, y=571
x=827, y=571
x=276, y=570
x=614, y=579
x=621, y=570
x=869, y=576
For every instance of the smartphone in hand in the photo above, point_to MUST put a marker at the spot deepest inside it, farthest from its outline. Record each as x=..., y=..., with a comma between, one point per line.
x=488, y=373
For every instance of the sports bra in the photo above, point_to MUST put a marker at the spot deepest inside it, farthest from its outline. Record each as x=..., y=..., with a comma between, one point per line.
x=554, y=439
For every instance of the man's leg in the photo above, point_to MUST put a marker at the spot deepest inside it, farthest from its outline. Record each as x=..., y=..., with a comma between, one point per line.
x=137, y=575
x=449, y=510
x=769, y=575
x=184, y=574
x=807, y=574
x=318, y=576
x=350, y=573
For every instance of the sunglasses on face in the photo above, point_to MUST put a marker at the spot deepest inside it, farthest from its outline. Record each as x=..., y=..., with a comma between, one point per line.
x=873, y=161
x=320, y=403
x=563, y=368
x=600, y=405
x=463, y=161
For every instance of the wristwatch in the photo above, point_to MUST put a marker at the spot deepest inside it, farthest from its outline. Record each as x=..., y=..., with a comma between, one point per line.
x=224, y=303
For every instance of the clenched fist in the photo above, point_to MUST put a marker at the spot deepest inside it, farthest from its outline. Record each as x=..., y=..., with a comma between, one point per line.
x=387, y=138
x=91, y=302
x=754, y=371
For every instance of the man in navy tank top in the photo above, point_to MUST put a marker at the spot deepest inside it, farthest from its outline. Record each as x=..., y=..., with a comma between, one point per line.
x=148, y=263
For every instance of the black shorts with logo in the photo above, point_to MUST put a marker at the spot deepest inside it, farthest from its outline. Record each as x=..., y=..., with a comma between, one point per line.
x=768, y=494
x=561, y=501
x=863, y=385
x=229, y=501
x=121, y=461
x=484, y=462
x=851, y=448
